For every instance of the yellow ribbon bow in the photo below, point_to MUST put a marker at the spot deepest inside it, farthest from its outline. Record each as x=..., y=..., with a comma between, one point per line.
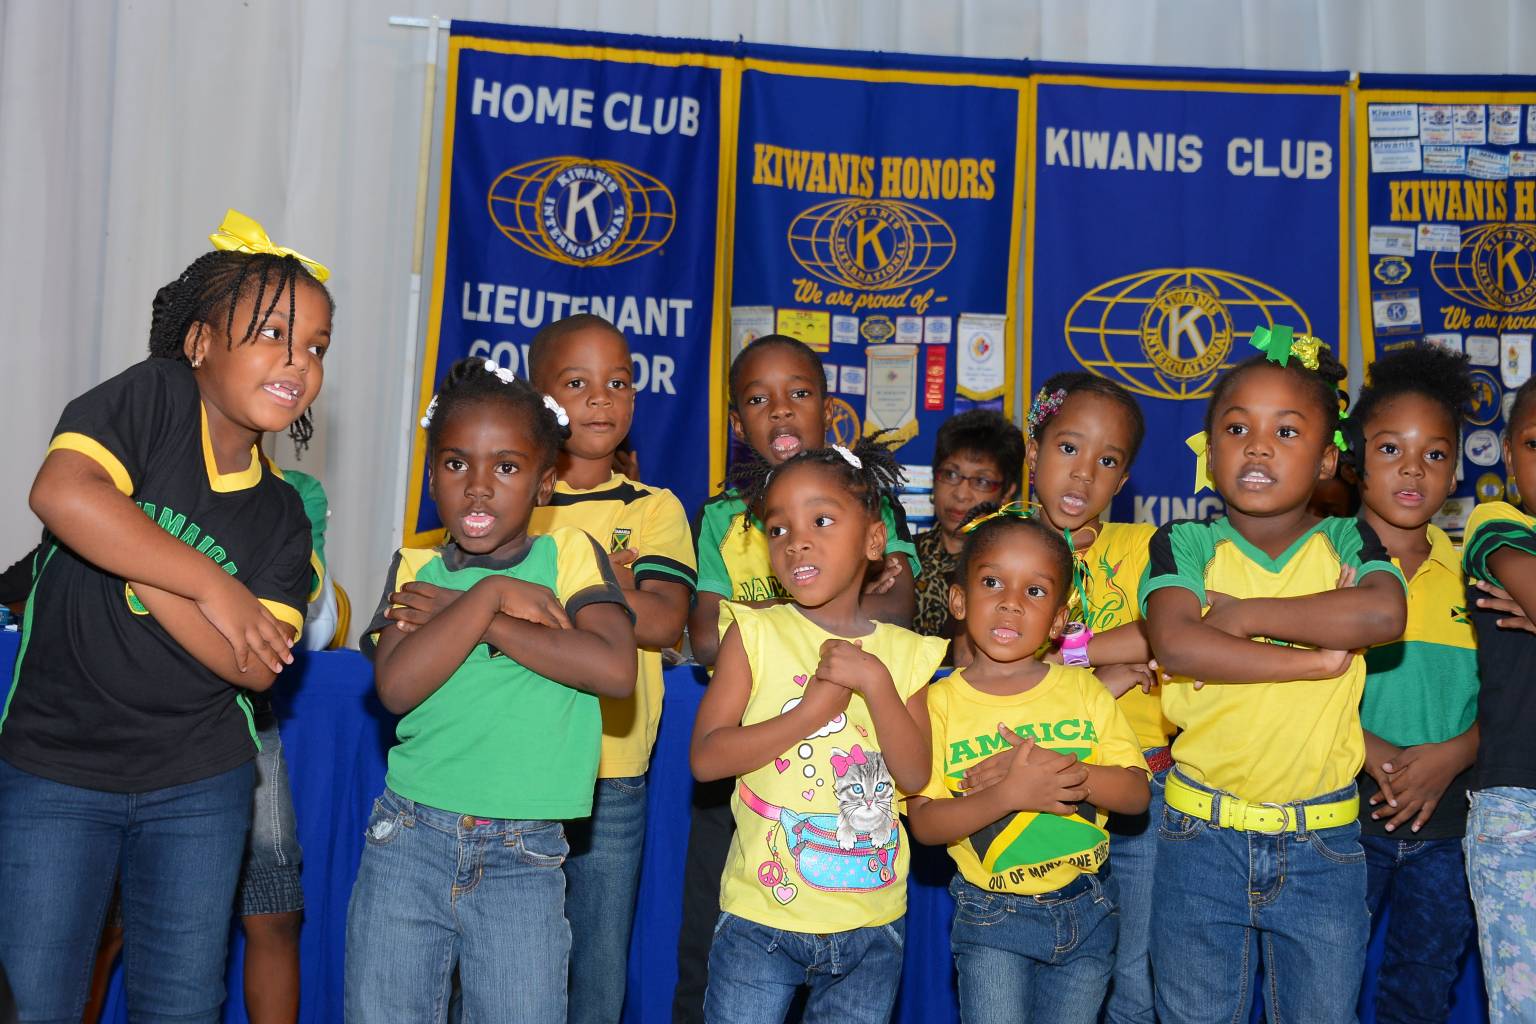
x=240, y=233
x=1014, y=509
x=1197, y=443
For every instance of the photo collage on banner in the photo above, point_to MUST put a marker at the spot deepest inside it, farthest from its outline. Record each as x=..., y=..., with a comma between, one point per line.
x=1446, y=234
x=583, y=177
x=1167, y=219
x=876, y=219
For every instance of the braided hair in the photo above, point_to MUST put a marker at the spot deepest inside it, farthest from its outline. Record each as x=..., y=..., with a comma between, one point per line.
x=207, y=293
x=986, y=534
x=877, y=476
x=1438, y=374
x=476, y=380
x=1076, y=382
x=1323, y=383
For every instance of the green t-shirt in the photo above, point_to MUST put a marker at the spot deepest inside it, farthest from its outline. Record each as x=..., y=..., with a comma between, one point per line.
x=498, y=740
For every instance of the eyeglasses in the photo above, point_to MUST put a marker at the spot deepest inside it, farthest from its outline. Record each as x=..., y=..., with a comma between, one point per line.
x=980, y=484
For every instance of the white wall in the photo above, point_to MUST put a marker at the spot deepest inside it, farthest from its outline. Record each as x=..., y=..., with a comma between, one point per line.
x=128, y=126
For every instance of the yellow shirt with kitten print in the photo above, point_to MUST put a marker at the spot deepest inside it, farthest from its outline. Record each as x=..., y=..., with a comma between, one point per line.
x=819, y=845
x=1070, y=712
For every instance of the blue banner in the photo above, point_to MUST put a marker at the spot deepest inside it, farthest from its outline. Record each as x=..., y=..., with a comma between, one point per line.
x=877, y=219
x=1446, y=236
x=1166, y=221
x=583, y=178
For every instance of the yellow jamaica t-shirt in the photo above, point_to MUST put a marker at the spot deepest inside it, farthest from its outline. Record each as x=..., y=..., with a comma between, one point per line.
x=1282, y=741
x=1068, y=711
x=819, y=845
x=1112, y=569
x=623, y=513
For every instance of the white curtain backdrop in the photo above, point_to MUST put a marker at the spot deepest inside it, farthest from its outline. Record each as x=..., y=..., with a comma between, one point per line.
x=128, y=126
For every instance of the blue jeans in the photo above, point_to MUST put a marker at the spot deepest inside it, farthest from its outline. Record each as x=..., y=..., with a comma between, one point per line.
x=1424, y=885
x=1034, y=958
x=437, y=889
x=1222, y=896
x=754, y=972
x=270, y=877
x=178, y=853
x=1133, y=853
x=602, y=877
x=1501, y=867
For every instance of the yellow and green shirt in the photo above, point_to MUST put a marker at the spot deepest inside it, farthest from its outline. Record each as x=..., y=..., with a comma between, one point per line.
x=1281, y=741
x=1506, y=658
x=1068, y=711
x=1112, y=569
x=733, y=549
x=622, y=513
x=819, y=845
x=498, y=740
x=1422, y=687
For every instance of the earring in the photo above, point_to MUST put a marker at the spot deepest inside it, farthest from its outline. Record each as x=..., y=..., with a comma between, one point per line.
x=197, y=361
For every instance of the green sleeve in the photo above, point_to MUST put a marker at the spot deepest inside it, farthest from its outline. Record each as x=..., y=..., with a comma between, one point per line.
x=1358, y=546
x=898, y=536
x=1179, y=554
x=708, y=531
x=1487, y=538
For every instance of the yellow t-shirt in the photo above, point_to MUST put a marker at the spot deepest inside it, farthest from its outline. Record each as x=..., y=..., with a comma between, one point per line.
x=819, y=845
x=1068, y=711
x=619, y=514
x=1113, y=566
x=1282, y=741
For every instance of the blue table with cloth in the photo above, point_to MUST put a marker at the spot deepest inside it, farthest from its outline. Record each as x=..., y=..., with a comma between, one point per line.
x=335, y=735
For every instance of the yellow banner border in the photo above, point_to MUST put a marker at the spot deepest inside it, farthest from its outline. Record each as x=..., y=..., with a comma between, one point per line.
x=729, y=68
x=1363, y=97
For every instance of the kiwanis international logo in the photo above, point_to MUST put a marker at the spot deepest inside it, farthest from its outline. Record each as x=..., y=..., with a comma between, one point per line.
x=1168, y=333
x=842, y=423
x=1494, y=269
x=581, y=211
x=871, y=244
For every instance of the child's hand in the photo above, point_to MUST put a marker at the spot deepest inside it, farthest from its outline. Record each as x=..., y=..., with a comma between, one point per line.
x=1328, y=664
x=1036, y=785
x=1122, y=679
x=890, y=570
x=1162, y=677
x=848, y=665
x=1419, y=776
x=252, y=631
x=1223, y=612
x=995, y=768
x=418, y=603
x=1376, y=768
x=530, y=602
x=620, y=562
x=824, y=700
x=1499, y=600
x=1347, y=577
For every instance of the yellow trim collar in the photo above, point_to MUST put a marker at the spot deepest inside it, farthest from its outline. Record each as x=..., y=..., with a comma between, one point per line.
x=225, y=483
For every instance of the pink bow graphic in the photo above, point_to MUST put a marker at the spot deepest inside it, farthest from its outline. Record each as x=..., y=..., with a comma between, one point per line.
x=841, y=762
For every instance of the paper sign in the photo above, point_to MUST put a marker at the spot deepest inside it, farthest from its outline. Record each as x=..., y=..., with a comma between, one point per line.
x=933, y=378
x=748, y=323
x=1390, y=156
x=1396, y=311
x=1522, y=163
x=1393, y=120
x=1451, y=341
x=1487, y=163
x=909, y=330
x=1470, y=125
x=1445, y=159
x=845, y=330
x=1482, y=350
x=1515, y=367
x=1504, y=124
x=1391, y=241
x=812, y=326
x=1436, y=125
x=1439, y=237
x=852, y=380
x=890, y=403
x=937, y=330
x=979, y=356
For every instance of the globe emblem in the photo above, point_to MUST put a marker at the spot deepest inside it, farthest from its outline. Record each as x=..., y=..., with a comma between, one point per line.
x=871, y=244
x=582, y=212
x=1169, y=332
x=1483, y=408
x=842, y=423
x=1494, y=269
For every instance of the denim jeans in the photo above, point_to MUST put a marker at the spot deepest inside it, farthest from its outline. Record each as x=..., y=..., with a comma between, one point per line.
x=1501, y=867
x=1133, y=853
x=437, y=889
x=1424, y=885
x=1034, y=958
x=755, y=971
x=602, y=877
x=178, y=853
x=270, y=877
x=1223, y=897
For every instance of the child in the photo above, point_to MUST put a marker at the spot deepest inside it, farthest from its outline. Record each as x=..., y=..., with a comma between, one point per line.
x=1501, y=858
x=1420, y=689
x=494, y=648
x=809, y=709
x=1084, y=433
x=1034, y=930
x=977, y=458
x=173, y=581
x=779, y=408
x=584, y=362
x=1259, y=837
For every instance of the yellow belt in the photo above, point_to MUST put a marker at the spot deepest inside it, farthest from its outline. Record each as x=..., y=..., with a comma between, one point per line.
x=1237, y=813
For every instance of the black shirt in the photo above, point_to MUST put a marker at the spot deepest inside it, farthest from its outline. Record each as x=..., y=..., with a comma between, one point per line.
x=1506, y=658
x=104, y=697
